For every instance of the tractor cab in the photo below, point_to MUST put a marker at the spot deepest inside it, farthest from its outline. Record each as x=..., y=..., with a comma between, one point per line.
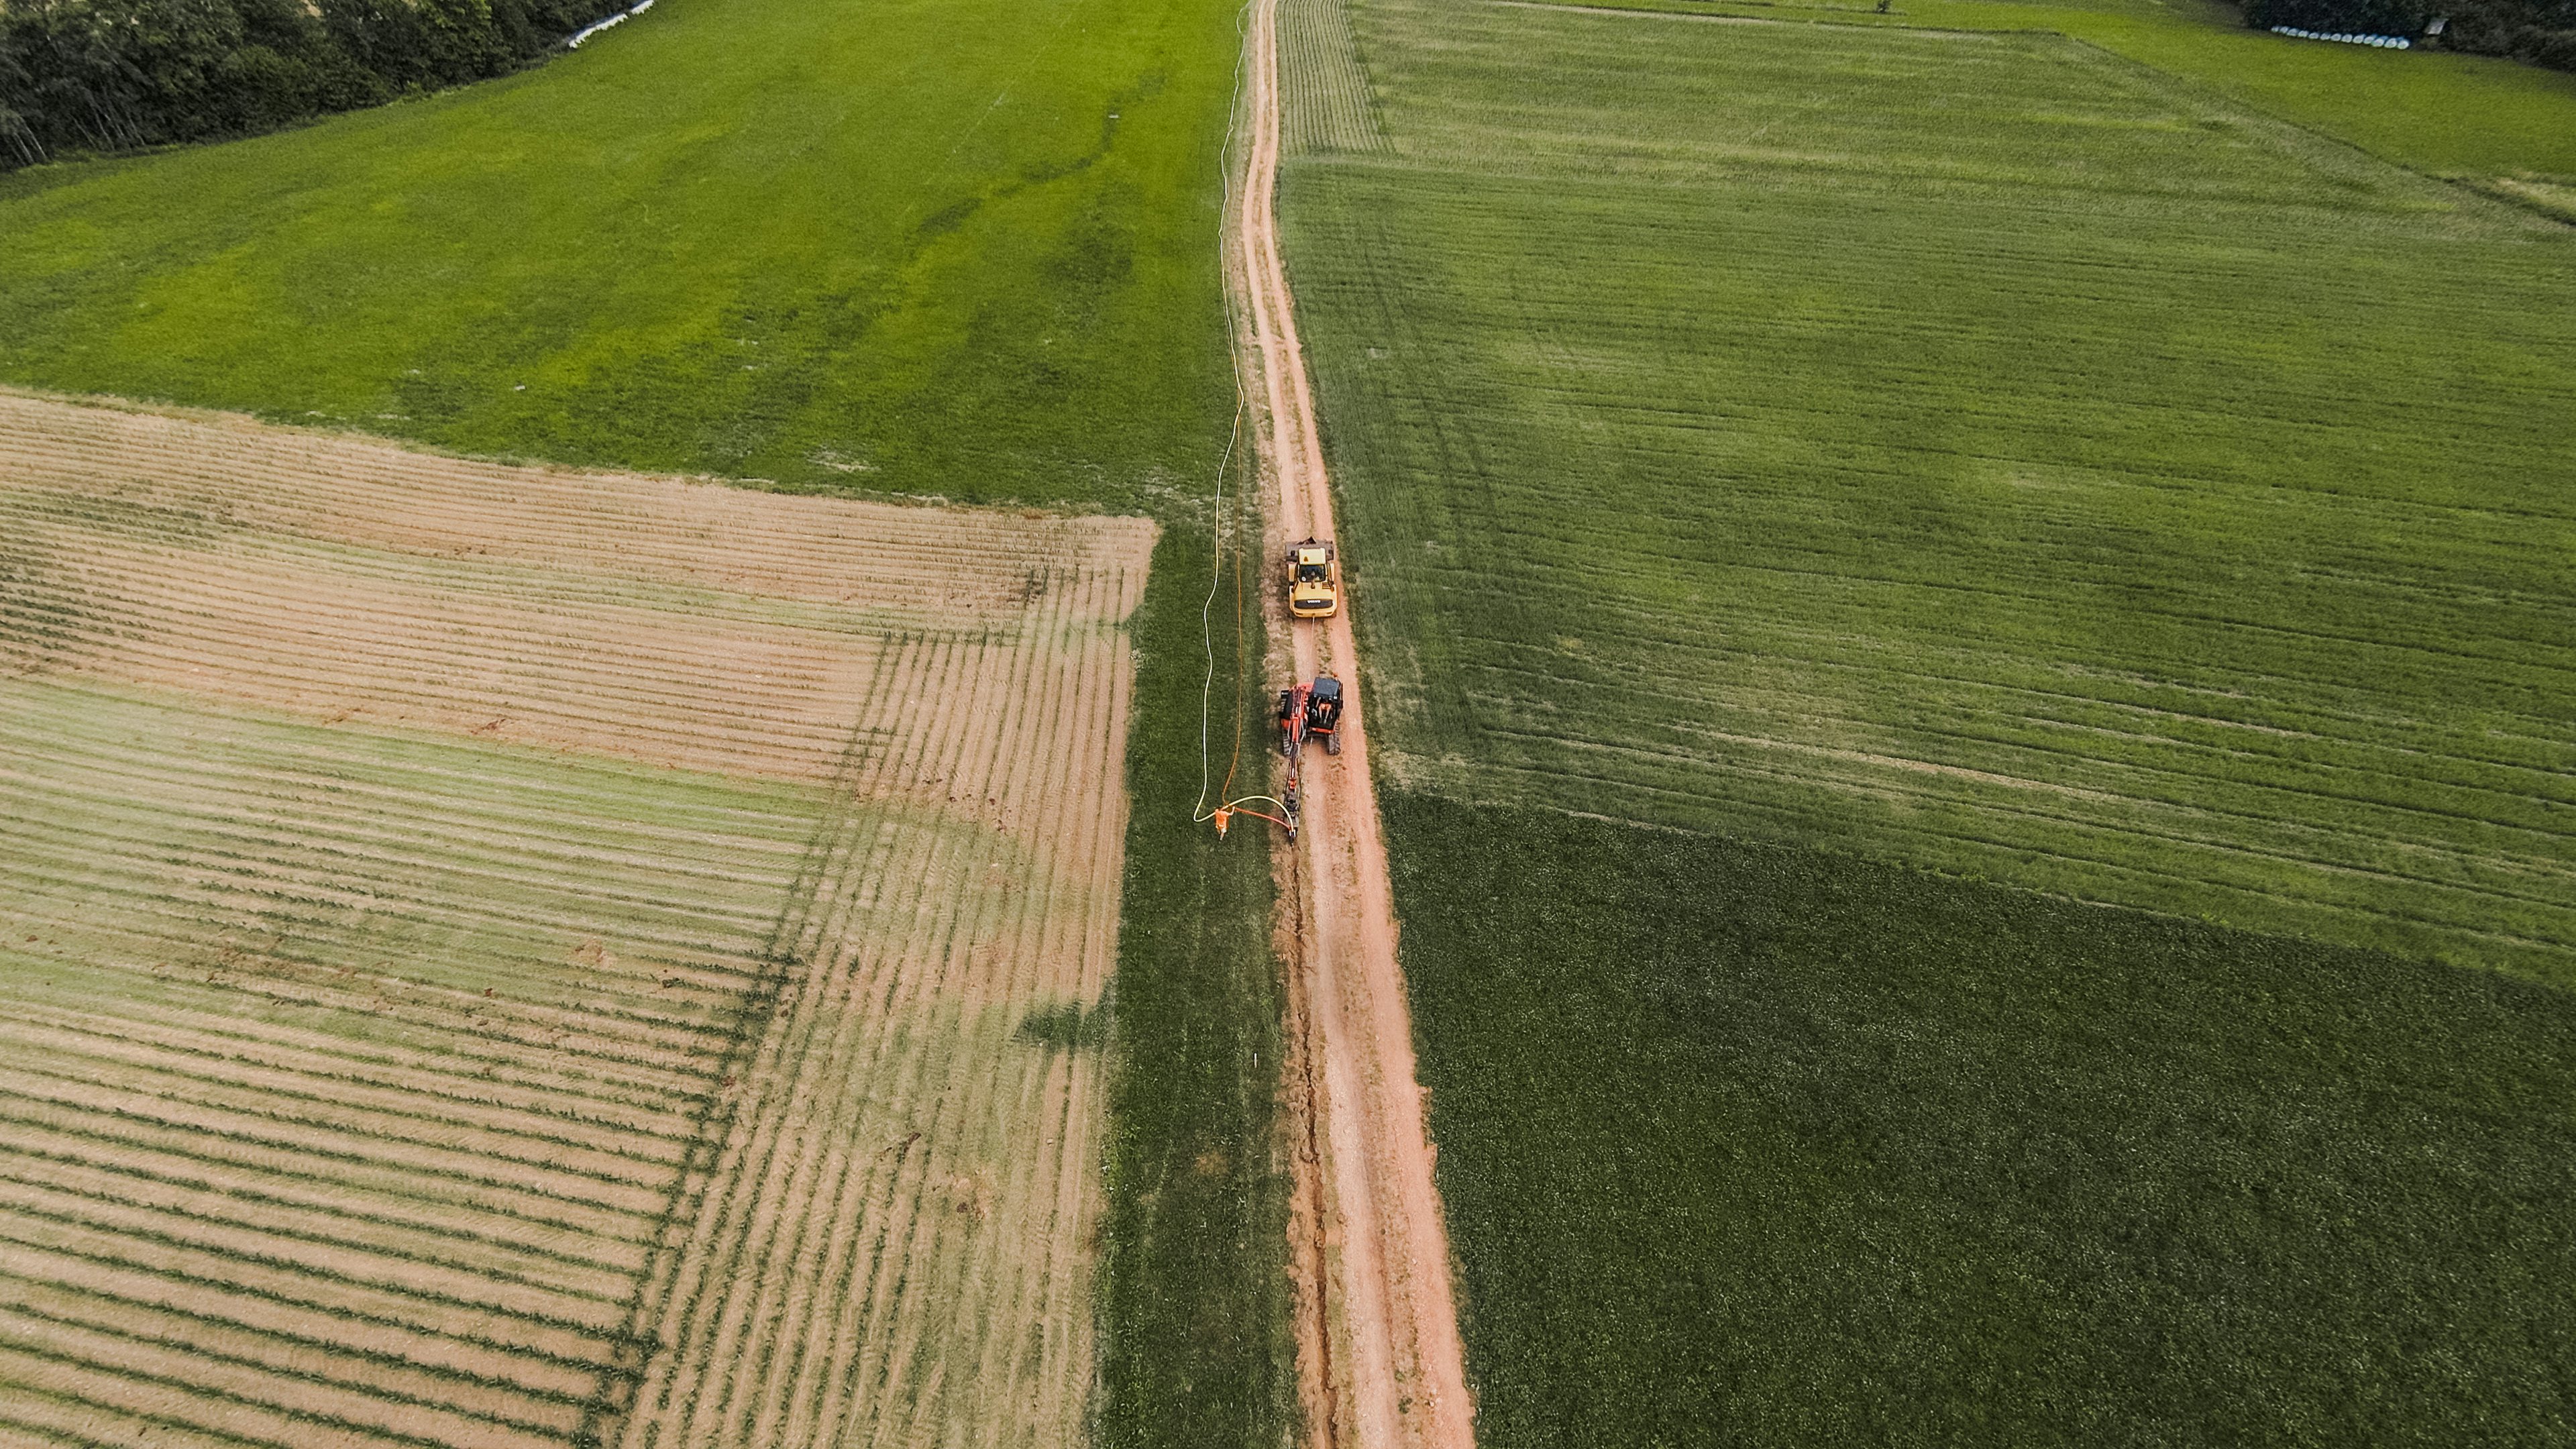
x=1311, y=711
x=1324, y=712
x=1314, y=580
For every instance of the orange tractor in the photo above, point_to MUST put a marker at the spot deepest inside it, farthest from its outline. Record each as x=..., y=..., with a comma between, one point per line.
x=1311, y=711
x=1306, y=712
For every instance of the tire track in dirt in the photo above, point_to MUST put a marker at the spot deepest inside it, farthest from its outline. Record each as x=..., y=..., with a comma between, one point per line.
x=1380, y=1361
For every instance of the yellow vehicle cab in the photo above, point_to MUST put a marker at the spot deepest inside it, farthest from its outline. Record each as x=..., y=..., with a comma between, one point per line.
x=1314, y=580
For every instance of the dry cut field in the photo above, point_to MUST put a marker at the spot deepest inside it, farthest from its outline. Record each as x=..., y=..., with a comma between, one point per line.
x=493, y=956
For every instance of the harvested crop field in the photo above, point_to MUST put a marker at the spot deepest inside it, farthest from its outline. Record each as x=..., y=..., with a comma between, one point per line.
x=502, y=956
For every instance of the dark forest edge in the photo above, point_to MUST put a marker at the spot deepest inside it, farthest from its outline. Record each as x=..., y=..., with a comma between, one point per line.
x=82, y=76
x=2540, y=32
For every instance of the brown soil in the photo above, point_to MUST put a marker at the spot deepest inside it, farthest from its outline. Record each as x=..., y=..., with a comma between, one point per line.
x=366, y=1316
x=68, y=1103
x=531, y=1259
x=357, y=1265
x=58, y=1418
x=414, y=1075
x=679, y=623
x=315, y=1376
x=256, y=1403
x=233, y=475
x=377, y=1116
x=343, y=1204
x=1380, y=1360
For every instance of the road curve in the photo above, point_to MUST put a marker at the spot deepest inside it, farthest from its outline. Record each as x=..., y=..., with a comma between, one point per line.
x=1379, y=1359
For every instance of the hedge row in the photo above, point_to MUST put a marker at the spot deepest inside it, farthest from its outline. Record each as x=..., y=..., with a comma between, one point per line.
x=2542, y=32
x=112, y=75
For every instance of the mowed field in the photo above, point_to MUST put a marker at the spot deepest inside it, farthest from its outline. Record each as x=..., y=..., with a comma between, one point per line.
x=1822, y=452
x=499, y=956
x=1968, y=448
x=2469, y=118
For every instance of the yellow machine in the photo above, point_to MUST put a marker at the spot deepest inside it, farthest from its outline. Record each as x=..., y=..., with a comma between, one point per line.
x=1314, y=580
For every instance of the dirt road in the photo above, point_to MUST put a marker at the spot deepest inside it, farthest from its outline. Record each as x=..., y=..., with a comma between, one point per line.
x=1379, y=1358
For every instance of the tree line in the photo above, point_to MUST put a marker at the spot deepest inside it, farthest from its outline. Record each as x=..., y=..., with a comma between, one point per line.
x=113, y=75
x=2542, y=32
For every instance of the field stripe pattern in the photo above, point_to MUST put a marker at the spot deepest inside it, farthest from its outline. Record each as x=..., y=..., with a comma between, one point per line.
x=891, y=1235
x=299, y=1103
x=376, y=1077
x=1970, y=449
x=1324, y=101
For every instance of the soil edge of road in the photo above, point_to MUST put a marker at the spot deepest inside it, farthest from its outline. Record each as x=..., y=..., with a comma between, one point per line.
x=1379, y=1360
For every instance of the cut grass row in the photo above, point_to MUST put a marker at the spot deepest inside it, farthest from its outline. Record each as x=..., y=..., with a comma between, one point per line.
x=382, y=1162
x=1835, y=499
x=1751, y=1145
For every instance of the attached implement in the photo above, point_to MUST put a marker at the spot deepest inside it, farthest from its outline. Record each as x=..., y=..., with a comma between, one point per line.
x=1314, y=580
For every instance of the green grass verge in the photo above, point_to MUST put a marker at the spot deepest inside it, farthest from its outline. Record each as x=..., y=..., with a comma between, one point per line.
x=901, y=248
x=1969, y=449
x=1755, y=1145
x=1197, y=1346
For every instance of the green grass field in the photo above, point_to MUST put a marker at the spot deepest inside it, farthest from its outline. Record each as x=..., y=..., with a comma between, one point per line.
x=1971, y=449
x=1823, y=452
x=1196, y=1345
x=2447, y=115
x=897, y=246
x=1760, y=1145
x=885, y=249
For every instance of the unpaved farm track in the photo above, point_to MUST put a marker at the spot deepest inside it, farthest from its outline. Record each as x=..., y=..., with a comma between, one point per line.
x=496, y=956
x=1380, y=1363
